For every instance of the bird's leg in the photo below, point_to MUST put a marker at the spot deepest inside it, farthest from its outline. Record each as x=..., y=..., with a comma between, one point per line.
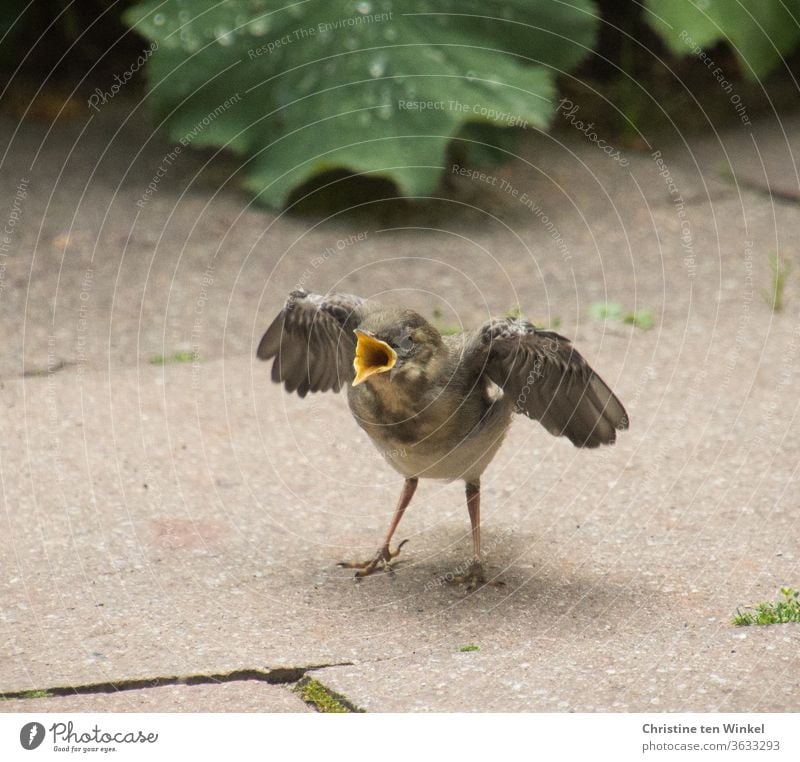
x=474, y=508
x=384, y=555
x=474, y=576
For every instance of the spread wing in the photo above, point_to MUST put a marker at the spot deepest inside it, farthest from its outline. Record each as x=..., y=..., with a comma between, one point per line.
x=548, y=380
x=312, y=341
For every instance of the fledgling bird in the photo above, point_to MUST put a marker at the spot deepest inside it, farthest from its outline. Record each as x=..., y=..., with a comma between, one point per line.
x=437, y=406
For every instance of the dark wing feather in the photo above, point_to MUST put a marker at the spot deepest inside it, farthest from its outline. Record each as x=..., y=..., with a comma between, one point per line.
x=548, y=380
x=312, y=341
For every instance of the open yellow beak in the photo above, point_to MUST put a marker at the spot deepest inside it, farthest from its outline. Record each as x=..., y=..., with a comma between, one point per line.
x=372, y=356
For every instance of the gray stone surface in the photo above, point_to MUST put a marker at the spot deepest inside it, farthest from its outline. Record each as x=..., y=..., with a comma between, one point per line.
x=246, y=696
x=764, y=157
x=185, y=519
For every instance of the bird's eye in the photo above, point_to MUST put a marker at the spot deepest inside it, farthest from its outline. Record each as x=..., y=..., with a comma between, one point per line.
x=405, y=343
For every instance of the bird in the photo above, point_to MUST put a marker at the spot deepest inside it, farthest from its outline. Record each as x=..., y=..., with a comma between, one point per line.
x=437, y=407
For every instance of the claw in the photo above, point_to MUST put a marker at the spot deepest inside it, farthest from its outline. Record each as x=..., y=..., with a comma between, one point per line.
x=382, y=559
x=474, y=578
x=399, y=548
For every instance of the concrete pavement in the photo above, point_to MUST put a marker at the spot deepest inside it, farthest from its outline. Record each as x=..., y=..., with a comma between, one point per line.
x=180, y=522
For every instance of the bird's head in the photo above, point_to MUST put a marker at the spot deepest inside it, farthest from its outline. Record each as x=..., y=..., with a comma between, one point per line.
x=397, y=343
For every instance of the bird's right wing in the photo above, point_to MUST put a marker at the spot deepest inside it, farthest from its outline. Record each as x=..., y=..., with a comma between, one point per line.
x=312, y=341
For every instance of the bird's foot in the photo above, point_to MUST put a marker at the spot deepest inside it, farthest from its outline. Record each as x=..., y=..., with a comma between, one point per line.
x=474, y=577
x=382, y=560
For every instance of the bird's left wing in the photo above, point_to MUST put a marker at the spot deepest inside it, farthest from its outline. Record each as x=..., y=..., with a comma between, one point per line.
x=312, y=341
x=549, y=381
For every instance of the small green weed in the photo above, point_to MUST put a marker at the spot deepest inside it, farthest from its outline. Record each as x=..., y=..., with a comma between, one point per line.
x=641, y=319
x=605, y=311
x=780, y=270
x=771, y=612
x=179, y=356
x=469, y=647
x=725, y=171
x=612, y=311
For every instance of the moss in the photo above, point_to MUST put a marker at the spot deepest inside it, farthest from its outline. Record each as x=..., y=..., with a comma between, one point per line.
x=35, y=694
x=317, y=695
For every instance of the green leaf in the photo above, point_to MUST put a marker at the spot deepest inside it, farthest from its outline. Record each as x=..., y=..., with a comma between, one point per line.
x=760, y=33
x=485, y=143
x=378, y=88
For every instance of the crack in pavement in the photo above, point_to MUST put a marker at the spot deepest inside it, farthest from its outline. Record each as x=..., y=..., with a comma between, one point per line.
x=277, y=676
x=49, y=370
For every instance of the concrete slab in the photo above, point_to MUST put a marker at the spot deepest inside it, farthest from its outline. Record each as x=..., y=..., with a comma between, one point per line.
x=185, y=519
x=247, y=696
x=589, y=669
x=225, y=558
x=764, y=157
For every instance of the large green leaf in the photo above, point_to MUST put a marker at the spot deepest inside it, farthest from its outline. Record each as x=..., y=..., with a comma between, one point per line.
x=371, y=87
x=760, y=31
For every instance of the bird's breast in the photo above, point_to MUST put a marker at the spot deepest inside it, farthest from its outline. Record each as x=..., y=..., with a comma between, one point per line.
x=440, y=434
x=398, y=413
